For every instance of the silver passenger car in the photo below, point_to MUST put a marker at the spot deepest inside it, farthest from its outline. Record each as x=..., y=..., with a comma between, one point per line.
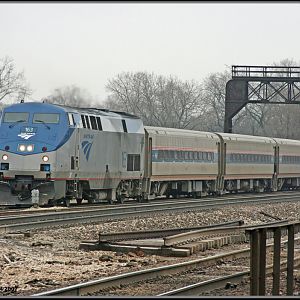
x=180, y=161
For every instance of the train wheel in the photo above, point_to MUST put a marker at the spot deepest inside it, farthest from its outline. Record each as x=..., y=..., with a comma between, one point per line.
x=174, y=194
x=121, y=199
x=140, y=198
x=79, y=201
x=91, y=201
x=52, y=202
x=66, y=202
x=110, y=201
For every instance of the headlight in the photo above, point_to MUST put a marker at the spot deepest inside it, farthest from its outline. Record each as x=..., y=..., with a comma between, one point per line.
x=30, y=148
x=4, y=157
x=45, y=158
x=22, y=148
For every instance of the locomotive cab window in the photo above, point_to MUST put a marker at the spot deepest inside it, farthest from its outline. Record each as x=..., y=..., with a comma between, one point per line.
x=45, y=118
x=12, y=117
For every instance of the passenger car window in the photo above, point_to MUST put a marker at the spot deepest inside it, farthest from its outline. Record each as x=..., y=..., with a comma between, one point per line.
x=209, y=156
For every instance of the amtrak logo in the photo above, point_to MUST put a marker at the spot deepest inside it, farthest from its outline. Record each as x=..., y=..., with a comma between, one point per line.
x=86, y=146
x=26, y=135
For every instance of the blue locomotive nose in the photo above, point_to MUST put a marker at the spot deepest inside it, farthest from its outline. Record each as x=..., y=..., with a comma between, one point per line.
x=31, y=128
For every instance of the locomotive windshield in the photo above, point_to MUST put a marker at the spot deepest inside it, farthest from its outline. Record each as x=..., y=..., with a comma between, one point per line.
x=46, y=118
x=12, y=117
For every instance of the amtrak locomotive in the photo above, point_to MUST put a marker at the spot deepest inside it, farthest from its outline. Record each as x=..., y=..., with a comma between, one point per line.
x=99, y=155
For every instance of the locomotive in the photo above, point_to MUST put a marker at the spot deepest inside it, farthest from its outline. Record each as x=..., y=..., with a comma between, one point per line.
x=99, y=155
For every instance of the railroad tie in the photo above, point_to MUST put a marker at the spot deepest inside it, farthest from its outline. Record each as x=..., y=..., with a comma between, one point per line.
x=213, y=242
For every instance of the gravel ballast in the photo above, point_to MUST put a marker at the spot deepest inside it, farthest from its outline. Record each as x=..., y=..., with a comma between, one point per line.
x=49, y=258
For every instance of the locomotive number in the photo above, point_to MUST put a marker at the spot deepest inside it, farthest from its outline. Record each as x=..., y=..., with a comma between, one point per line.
x=29, y=129
x=88, y=136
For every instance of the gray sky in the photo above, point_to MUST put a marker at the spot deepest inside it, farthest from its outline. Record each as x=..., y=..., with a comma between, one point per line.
x=88, y=43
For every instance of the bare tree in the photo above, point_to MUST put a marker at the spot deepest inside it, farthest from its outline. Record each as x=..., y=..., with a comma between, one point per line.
x=70, y=96
x=278, y=120
x=170, y=102
x=12, y=83
x=157, y=100
x=256, y=119
x=214, y=87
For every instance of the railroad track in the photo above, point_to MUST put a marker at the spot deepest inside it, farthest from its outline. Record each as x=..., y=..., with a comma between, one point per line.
x=18, y=211
x=220, y=282
x=94, y=287
x=23, y=223
x=180, y=242
x=147, y=234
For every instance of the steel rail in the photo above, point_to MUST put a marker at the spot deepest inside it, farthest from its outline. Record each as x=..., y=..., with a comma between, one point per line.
x=70, y=218
x=219, y=282
x=130, y=208
x=196, y=204
x=197, y=234
x=119, y=236
x=17, y=212
x=128, y=278
x=144, y=206
x=184, y=234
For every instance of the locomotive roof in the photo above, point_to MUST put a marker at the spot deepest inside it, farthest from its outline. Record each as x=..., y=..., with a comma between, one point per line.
x=112, y=121
x=80, y=110
x=98, y=111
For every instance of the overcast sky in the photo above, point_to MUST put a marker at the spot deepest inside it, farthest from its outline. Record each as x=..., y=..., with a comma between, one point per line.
x=60, y=44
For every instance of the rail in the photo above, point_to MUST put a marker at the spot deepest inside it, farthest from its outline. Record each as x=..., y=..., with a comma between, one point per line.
x=23, y=223
x=217, y=283
x=194, y=235
x=118, y=236
x=128, y=278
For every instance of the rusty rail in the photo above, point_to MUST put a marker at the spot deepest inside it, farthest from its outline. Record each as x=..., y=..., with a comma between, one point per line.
x=198, y=234
x=117, y=236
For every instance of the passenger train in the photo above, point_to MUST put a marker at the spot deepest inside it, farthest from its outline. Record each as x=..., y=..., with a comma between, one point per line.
x=98, y=155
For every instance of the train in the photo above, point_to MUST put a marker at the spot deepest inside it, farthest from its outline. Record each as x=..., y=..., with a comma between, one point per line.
x=52, y=154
